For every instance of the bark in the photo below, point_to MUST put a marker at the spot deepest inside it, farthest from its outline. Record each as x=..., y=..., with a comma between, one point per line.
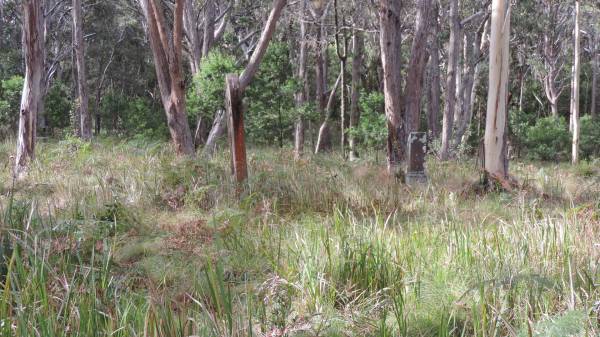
x=595, y=66
x=453, y=55
x=301, y=95
x=167, y=52
x=496, y=163
x=553, y=53
x=263, y=44
x=474, y=44
x=575, y=94
x=234, y=91
x=416, y=68
x=324, y=138
x=31, y=99
x=434, y=93
x=342, y=53
x=391, y=47
x=209, y=27
x=79, y=48
x=217, y=130
x=357, y=59
x=235, y=126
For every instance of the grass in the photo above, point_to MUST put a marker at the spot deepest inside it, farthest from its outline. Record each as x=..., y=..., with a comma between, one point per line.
x=121, y=238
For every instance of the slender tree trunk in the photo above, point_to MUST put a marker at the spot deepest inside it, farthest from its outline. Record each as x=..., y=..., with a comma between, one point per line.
x=416, y=68
x=357, y=59
x=391, y=48
x=496, y=162
x=301, y=95
x=79, y=47
x=474, y=43
x=217, y=130
x=453, y=54
x=31, y=99
x=324, y=140
x=575, y=95
x=234, y=91
x=209, y=27
x=167, y=52
x=595, y=65
x=433, y=108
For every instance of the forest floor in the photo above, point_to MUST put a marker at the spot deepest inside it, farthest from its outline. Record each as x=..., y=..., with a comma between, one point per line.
x=120, y=238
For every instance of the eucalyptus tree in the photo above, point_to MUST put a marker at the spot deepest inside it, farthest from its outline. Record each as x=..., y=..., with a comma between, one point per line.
x=495, y=141
x=167, y=48
x=32, y=98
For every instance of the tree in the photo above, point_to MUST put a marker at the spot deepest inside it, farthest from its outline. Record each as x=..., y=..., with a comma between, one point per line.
x=434, y=90
x=453, y=55
x=575, y=89
x=301, y=95
x=79, y=49
x=167, y=51
x=416, y=66
x=31, y=100
x=234, y=92
x=496, y=162
x=390, y=40
x=357, y=59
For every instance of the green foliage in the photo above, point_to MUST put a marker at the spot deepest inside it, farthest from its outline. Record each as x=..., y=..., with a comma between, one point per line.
x=58, y=106
x=548, y=139
x=10, y=100
x=206, y=95
x=589, y=139
x=372, y=129
x=271, y=112
x=133, y=116
x=519, y=125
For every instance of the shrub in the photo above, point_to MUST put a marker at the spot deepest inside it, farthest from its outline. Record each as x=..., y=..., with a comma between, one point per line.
x=58, y=105
x=548, y=139
x=372, y=128
x=589, y=139
x=10, y=101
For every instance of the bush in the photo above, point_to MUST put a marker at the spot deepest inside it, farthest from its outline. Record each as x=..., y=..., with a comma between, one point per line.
x=589, y=141
x=548, y=139
x=372, y=128
x=58, y=106
x=206, y=95
x=10, y=101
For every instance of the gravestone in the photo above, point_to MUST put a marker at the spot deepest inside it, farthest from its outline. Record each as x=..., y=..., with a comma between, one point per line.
x=417, y=150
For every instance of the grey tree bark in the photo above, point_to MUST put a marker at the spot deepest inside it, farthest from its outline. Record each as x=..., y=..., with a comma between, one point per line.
x=496, y=161
x=301, y=96
x=575, y=89
x=31, y=99
x=434, y=92
x=79, y=48
x=391, y=47
x=453, y=55
x=416, y=67
x=167, y=52
x=357, y=60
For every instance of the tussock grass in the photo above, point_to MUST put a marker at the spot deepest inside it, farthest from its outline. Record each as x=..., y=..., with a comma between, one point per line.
x=121, y=238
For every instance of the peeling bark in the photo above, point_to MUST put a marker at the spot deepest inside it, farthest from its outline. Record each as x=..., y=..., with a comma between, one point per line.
x=31, y=99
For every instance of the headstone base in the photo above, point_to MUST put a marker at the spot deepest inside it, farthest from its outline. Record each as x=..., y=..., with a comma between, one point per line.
x=416, y=178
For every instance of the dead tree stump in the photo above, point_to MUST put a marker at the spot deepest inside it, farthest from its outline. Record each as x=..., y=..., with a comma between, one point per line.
x=235, y=125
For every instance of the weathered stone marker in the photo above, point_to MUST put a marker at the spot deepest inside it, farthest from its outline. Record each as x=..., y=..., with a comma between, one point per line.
x=417, y=150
